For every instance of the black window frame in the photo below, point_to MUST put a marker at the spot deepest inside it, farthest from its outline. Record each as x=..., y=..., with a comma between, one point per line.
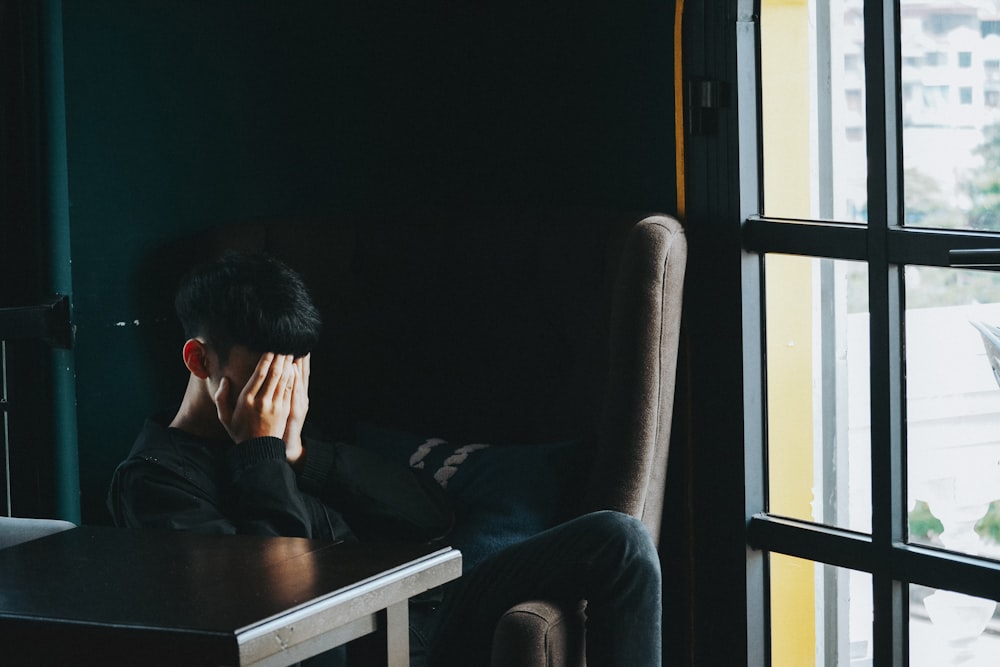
x=886, y=246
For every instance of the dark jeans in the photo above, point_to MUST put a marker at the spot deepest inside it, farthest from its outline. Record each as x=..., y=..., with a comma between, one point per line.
x=606, y=558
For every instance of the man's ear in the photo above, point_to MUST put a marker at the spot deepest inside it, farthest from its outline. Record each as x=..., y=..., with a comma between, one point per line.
x=196, y=358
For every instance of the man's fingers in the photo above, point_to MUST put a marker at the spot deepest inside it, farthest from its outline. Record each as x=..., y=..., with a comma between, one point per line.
x=300, y=390
x=287, y=381
x=276, y=377
x=260, y=376
x=301, y=366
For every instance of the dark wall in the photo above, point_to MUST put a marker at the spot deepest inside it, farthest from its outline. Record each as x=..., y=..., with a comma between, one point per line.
x=23, y=279
x=182, y=115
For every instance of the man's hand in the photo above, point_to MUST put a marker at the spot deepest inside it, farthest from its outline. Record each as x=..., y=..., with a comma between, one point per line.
x=297, y=413
x=264, y=404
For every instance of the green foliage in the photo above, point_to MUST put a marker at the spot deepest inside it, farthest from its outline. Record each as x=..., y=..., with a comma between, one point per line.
x=983, y=187
x=931, y=287
x=925, y=205
x=989, y=526
x=924, y=526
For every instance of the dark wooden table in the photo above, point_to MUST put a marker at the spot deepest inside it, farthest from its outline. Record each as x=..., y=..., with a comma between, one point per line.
x=98, y=595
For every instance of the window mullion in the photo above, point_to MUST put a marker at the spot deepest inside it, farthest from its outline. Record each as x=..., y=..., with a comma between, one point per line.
x=884, y=207
x=758, y=636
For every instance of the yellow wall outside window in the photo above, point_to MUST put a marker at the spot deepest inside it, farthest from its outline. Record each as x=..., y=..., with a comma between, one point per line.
x=785, y=63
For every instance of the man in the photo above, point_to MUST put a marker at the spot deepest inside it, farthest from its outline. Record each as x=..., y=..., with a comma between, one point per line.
x=233, y=459
x=250, y=326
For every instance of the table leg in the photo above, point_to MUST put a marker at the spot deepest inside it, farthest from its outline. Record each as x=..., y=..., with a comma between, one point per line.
x=397, y=634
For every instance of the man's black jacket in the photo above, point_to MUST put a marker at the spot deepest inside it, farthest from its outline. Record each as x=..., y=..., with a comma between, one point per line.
x=172, y=479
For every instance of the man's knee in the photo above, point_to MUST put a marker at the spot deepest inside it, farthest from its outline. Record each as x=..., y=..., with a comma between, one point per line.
x=629, y=533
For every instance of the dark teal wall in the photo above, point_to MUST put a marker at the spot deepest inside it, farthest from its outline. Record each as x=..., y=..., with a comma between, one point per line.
x=181, y=115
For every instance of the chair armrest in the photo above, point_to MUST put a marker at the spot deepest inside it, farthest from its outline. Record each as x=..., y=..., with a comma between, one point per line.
x=540, y=633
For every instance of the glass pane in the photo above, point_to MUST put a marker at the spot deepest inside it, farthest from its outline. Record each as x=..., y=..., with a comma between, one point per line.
x=813, y=109
x=820, y=614
x=953, y=408
x=817, y=390
x=950, y=71
x=948, y=628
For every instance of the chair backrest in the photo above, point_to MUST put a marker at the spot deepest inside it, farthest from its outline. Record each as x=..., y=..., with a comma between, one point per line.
x=630, y=466
x=15, y=530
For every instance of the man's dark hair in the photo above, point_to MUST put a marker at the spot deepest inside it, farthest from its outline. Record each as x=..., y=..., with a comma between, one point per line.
x=248, y=299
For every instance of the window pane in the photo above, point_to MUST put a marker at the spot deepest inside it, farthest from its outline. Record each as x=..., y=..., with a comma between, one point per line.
x=951, y=109
x=818, y=417
x=948, y=628
x=813, y=110
x=820, y=614
x=953, y=408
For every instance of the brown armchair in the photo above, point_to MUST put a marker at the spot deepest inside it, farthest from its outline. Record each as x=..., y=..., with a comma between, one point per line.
x=527, y=327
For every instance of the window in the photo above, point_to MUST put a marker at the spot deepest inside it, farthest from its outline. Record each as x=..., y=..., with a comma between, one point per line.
x=936, y=59
x=935, y=97
x=854, y=99
x=991, y=69
x=877, y=442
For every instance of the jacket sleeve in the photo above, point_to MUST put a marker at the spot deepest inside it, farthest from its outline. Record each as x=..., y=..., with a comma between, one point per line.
x=260, y=497
x=265, y=497
x=380, y=500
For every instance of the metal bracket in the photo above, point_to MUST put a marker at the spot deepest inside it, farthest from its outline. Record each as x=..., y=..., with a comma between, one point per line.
x=50, y=322
x=974, y=258
x=704, y=99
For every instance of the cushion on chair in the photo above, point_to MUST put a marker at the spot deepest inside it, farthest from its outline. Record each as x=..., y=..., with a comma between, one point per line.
x=502, y=495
